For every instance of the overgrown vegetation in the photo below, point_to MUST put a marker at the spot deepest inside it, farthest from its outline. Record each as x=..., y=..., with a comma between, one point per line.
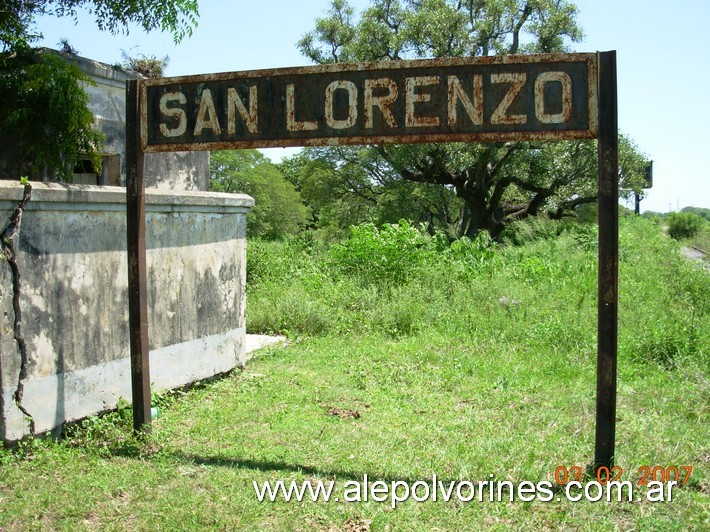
x=690, y=226
x=279, y=211
x=693, y=232
x=398, y=280
x=465, y=187
x=45, y=125
x=463, y=359
x=149, y=66
x=684, y=225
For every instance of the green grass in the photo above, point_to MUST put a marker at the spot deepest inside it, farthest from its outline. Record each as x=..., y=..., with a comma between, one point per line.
x=447, y=379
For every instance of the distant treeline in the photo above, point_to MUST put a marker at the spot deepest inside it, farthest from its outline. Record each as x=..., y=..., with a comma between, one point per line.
x=700, y=211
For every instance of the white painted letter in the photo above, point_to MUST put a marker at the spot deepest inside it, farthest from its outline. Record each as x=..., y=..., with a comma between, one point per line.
x=203, y=120
x=500, y=115
x=458, y=94
x=330, y=102
x=383, y=102
x=411, y=98
x=235, y=104
x=173, y=112
x=291, y=123
x=566, y=113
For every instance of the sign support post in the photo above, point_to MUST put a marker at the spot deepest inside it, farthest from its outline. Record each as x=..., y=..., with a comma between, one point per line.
x=137, y=298
x=489, y=99
x=608, y=289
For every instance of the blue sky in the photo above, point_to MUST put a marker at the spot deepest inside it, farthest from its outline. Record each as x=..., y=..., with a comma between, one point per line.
x=663, y=71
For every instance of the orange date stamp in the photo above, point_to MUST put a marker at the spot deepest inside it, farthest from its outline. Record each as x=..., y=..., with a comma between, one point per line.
x=657, y=473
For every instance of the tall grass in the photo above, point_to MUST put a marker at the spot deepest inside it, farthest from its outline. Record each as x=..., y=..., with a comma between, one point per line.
x=397, y=281
x=462, y=359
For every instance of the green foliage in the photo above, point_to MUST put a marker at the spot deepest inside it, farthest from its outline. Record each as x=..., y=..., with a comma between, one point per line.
x=48, y=119
x=487, y=370
x=397, y=281
x=703, y=213
x=278, y=209
x=632, y=165
x=497, y=183
x=347, y=186
x=104, y=432
x=392, y=252
x=465, y=256
x=45, y=122
x=663, y=299
x=403, y=29
x=16, y=18
x=665, y=342
x=684, y=225
x=337, y=28
x=523, y=232
x=178, y=17
x=336, y=189
x=701, y=240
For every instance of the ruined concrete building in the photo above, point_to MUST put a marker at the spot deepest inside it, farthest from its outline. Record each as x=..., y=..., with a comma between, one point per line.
x=71, y=252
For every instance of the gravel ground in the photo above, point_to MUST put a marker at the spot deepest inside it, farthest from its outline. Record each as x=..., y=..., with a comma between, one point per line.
x=697, y=255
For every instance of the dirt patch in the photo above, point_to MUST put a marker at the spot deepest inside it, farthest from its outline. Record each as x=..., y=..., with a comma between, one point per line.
x=343, y=413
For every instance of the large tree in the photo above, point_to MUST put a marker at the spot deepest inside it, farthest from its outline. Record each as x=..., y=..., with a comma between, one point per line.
x=45, y=126
x=498, y=182
x=349, y=185
x=278, y=211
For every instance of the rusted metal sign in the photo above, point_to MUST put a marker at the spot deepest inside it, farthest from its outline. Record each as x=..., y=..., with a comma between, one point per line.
x=443, y=100
x=555, y=97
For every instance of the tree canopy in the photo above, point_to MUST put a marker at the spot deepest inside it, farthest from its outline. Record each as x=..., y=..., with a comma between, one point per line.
x=44, y=121
x=17, y=17
x=496, y=182
x=349, y=185
x=278, y=210
x=406, y=29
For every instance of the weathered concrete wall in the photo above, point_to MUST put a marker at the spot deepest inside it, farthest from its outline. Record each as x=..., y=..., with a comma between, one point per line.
x=107, y=102
x=71, y=253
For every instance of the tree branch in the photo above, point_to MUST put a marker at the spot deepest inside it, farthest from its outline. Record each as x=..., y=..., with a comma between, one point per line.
x=566, y=206
x=527, y=11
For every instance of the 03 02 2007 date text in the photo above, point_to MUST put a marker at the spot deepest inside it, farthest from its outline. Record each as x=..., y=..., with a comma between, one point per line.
x=657, y=473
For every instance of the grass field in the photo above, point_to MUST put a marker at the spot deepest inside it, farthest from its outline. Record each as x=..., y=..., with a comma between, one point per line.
x=408, y=358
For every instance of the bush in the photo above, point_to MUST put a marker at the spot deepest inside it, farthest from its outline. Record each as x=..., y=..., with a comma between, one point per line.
x=684, y=225
x=466, y=256
x=522, y=232
x=392, y=252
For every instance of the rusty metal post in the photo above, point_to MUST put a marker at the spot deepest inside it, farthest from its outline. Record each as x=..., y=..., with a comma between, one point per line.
x=608, y=154
x=137, y=298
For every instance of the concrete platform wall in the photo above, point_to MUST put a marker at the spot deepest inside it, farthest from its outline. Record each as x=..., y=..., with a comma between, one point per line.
x=72, y=258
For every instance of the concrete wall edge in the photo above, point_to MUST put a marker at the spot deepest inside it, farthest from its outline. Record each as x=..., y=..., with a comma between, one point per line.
x=51, y=399
x=51, y=196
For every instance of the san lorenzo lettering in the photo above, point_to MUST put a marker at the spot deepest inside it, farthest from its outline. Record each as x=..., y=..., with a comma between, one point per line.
x=416, y=101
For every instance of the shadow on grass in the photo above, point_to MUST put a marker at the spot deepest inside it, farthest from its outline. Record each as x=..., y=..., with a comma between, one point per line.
x=137, y=451
x=267, y=465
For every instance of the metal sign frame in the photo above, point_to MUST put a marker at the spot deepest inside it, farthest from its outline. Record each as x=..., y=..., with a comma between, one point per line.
x=498, y=98
x=480, y=99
